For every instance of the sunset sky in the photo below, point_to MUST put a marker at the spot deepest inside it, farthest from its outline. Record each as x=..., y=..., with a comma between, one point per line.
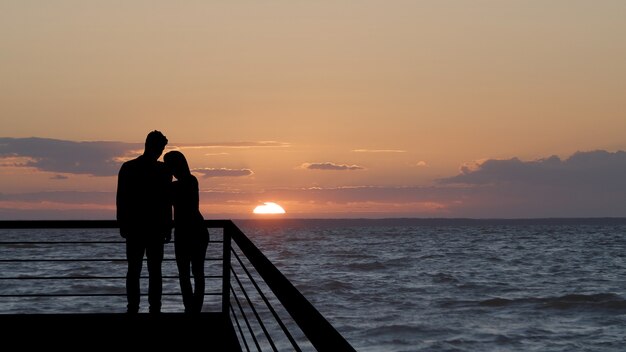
x=331, y=109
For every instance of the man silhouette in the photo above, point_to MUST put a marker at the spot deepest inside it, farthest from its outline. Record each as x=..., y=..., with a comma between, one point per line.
x=144, y=214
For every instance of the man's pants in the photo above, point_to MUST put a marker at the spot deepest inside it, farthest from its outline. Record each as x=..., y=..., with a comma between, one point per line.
x=135, y=250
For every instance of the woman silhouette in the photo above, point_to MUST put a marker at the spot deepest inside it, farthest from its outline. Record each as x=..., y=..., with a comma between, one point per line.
x=191, y=236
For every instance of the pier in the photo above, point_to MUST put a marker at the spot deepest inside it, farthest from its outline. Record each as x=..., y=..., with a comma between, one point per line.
x=257, y=307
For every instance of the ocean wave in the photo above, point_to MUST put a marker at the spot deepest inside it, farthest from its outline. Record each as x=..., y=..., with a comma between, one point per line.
x=431, y=256
x=330, y=286
x=609, y=301
x=599, y=300
x=398, y=330
x=366, y=266
x=444, y=278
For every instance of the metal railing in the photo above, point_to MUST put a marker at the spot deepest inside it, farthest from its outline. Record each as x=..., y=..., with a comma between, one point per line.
x=266, y=309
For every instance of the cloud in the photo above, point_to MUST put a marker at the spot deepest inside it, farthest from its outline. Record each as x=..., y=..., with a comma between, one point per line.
x=330, y=166
x=65, y=197
x=235, y=145
x=378, y=151
x=595, y=169
x=63, y=205
x=586, y=184
x=356, y=194
x=341, y=201
x=223, y=172
x=60, y=156
x=97, y=158
x=59, y=177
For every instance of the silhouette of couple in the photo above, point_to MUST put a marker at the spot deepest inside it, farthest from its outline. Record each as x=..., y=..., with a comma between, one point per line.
x=146, y=194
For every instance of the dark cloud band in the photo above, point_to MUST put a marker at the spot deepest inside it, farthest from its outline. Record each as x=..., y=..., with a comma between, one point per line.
x=223, y=172
x=330, y=166
x=60, y=156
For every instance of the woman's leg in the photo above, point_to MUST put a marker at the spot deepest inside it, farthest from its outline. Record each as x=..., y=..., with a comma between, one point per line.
x=184, y=277
x=197, y=267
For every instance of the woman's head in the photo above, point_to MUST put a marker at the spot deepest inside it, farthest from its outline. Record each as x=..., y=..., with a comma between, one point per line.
x=177, y=163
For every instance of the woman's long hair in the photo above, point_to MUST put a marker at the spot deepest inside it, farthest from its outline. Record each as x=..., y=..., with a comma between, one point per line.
x=177, y=163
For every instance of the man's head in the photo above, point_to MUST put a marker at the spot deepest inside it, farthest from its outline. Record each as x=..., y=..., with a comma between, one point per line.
x=155, y=143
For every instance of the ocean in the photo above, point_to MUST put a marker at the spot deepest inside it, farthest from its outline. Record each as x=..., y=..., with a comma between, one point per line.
x=393, y=285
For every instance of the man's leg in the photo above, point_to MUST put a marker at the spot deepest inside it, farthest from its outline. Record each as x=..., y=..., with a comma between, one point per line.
x=134, y=255
x=154, y=254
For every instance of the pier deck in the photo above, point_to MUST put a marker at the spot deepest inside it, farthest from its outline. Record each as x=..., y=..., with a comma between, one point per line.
x=211, y=331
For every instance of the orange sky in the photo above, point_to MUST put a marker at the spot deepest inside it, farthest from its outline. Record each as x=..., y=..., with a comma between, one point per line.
x=331, y=109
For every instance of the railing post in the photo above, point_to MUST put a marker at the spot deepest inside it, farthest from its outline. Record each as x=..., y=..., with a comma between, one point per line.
x=226, y=270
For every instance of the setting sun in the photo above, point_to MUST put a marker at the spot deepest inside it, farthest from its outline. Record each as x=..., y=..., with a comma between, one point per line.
x=269, y=208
